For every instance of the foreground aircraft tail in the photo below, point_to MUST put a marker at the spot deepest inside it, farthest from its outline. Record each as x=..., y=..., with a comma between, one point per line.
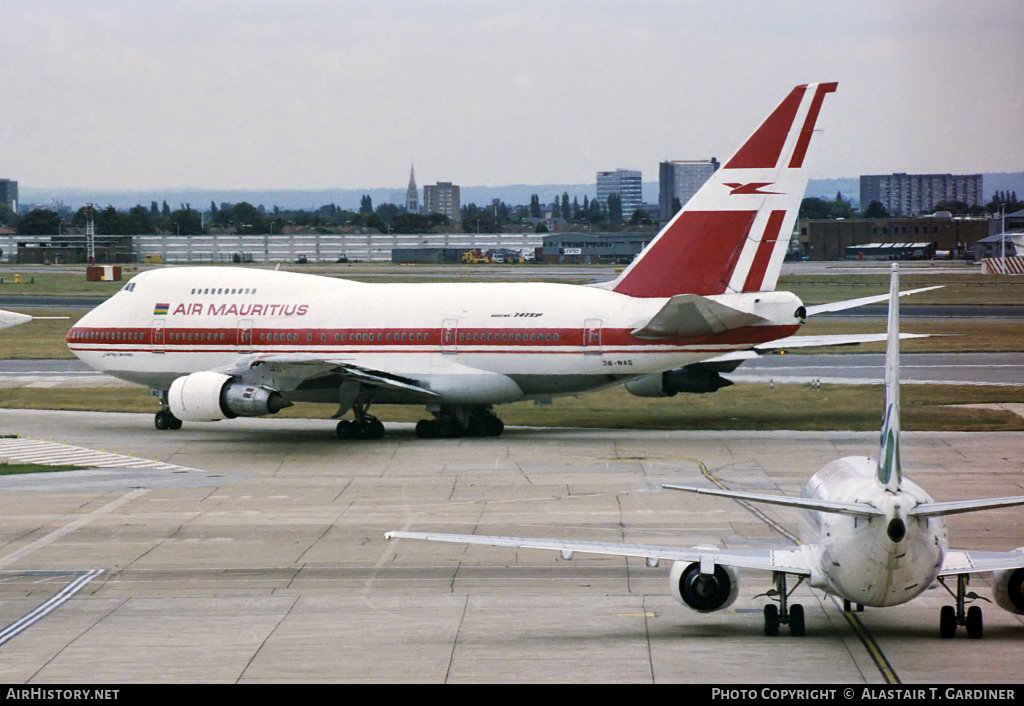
x=733, y=234
x=890, y=473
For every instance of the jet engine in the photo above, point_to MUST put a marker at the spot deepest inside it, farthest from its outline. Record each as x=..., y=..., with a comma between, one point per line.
x=209, y=396
x=707, y=593
x=1008, y=587
x=699, y=377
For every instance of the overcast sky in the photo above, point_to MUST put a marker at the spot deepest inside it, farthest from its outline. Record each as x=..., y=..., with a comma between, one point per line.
x=307, y=95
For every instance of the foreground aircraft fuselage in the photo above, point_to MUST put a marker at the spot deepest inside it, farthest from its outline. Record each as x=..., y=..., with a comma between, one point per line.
x=225, y=342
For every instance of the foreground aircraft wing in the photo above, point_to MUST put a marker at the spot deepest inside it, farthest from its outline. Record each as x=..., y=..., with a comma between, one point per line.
x=286, y=372
x=960, y=561
x=791, y=561
x=688, y=315
x=862, y=301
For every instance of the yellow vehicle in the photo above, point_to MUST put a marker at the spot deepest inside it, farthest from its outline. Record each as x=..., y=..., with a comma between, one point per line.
x=475, y=257
x=153, y=260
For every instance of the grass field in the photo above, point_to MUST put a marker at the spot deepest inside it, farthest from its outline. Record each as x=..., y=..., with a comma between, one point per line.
x=11, y=469
x=752, y=407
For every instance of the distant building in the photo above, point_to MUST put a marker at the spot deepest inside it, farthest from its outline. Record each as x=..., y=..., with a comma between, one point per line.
x=9, y=193
x=627, y=183
x=412, y=194
x=829, y=239
x=442, y=198
x=682, y=179
x=915, y=194
x=593, y=248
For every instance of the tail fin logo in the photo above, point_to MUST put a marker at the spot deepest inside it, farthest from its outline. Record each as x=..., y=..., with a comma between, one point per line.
x=751, y=188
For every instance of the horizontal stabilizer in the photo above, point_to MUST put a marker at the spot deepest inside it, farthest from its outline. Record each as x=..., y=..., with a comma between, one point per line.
x=858, y=509
x=956, y=507
x=833, y=340
x=689, y=315
x=862, y=301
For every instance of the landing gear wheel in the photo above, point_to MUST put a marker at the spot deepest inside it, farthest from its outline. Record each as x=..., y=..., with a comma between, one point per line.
x=974, y=623
x=947, y=622
x=165, y=420
x=771, y=620
x=796, y=620
x=345, y=429
x=425, y=428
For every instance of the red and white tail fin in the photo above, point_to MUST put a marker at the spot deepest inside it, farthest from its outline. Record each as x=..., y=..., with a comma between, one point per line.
x=733, y=234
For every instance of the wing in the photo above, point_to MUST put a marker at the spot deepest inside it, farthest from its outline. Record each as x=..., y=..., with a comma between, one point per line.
x=961, y=561
x=286, y=372
x=791, y=561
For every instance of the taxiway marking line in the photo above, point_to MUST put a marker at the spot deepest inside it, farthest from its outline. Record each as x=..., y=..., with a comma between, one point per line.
x=45, y=608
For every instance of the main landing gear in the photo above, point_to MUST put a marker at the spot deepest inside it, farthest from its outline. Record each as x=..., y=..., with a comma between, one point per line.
x=452, y=421
x=165, y=420
x=365, y=426
x=951, y=618
x=783, y=613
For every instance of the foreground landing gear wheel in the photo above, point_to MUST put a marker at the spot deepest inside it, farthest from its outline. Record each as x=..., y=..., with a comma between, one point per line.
x=947, y=622
x=165, y=420
x=796, y=620
x=771, y=620
x=974, y=623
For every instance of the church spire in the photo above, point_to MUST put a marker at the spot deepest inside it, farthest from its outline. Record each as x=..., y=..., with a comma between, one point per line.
x=412, y=198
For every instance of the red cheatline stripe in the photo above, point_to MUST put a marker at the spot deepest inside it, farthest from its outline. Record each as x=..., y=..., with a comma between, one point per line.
x=763, y=148
x=764, y=252
x=812, y=117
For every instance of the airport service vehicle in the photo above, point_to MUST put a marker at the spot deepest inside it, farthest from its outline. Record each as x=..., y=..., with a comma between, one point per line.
x=868, y=535
x=215, y=343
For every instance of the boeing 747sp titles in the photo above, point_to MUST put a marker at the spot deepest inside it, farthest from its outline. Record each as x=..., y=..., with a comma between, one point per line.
x=869, y=536
x=216, y=343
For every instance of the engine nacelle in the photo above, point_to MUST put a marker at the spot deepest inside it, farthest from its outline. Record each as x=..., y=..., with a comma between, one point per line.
x=692, y=378
x=207, y=396
x=703, y=594
x=1008, y=587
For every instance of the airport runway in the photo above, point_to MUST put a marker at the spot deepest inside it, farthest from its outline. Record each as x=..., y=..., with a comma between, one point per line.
x=253, y=550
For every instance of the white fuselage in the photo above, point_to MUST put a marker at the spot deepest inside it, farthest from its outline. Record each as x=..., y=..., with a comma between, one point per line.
x=855, y=557
x=547, y=339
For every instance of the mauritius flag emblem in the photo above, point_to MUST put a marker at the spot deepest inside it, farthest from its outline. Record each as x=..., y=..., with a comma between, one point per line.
x=161, y=309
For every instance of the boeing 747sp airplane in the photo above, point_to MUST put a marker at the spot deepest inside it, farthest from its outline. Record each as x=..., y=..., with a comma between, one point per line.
x=216, y=343
x=869, y=536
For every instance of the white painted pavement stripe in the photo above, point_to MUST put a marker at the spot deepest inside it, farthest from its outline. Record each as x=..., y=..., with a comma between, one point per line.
x=48, y=606
x=54, y=454
x=49, y=539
